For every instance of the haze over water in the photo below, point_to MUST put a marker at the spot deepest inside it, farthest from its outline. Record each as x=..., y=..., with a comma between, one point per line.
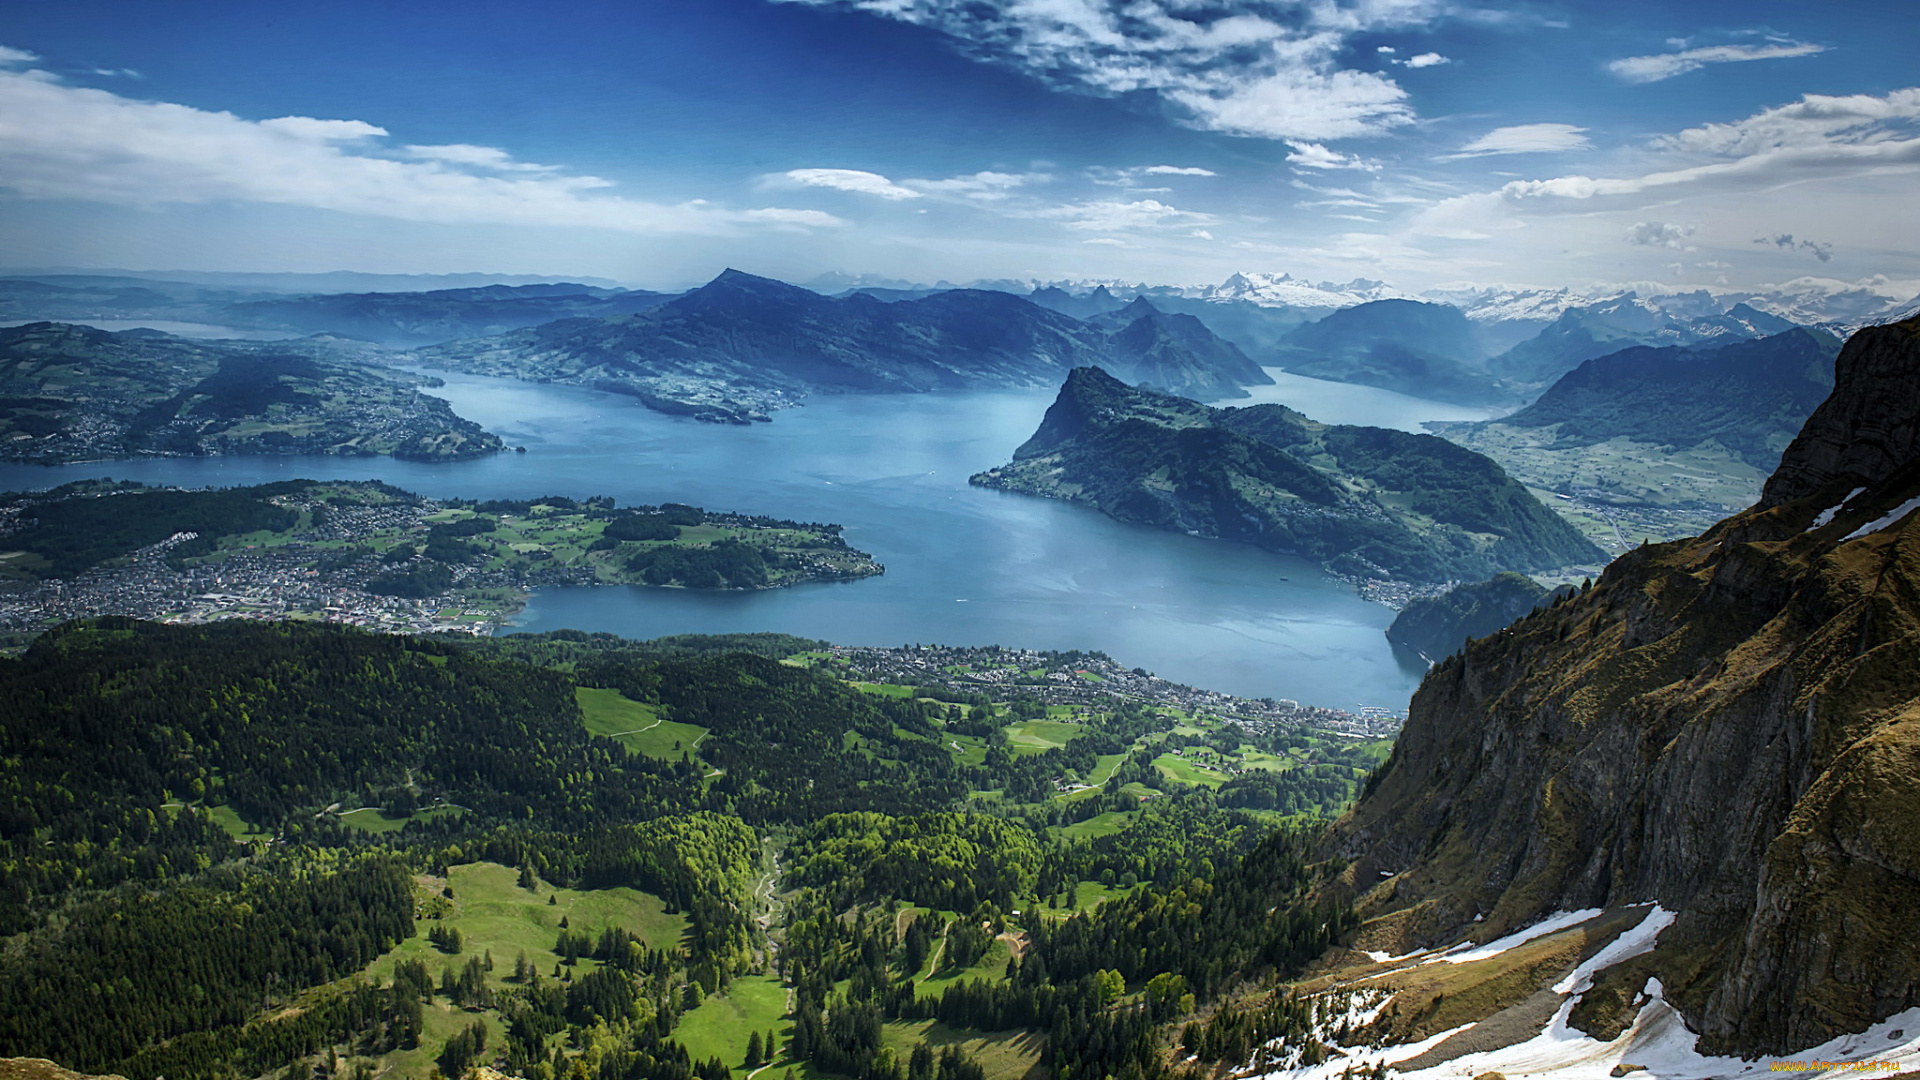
x=965, y=566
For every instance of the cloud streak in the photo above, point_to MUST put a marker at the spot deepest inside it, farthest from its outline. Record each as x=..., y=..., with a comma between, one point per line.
x=1525, y=139
x=1261, y=68
x=855, y=180
x=1661, y=66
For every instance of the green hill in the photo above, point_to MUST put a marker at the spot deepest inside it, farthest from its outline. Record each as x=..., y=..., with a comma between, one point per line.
x=1369, y=502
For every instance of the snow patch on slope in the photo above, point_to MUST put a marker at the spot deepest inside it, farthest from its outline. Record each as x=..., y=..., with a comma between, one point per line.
x=1826, y=516
x=1467, y=953
x=1886, y=519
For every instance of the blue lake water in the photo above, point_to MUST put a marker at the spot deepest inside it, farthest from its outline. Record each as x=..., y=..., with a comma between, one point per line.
x=964, y=565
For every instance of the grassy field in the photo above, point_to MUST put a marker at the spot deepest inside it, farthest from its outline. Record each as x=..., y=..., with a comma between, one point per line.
x=1106, y=824
x=1039, y=736
x=637, y=726
x=992, y=967
x=720, y=1026
x=967, y=749
x=1179, y=768
x=229, y=819
x=495, y=915
x=886, y=689
x=371, y=820
x=1003, y=1055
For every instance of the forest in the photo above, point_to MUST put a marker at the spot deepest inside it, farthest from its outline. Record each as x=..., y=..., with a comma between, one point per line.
x=232, y=850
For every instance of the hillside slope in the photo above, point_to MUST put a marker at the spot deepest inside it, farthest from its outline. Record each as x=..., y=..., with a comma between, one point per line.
x=1751, y=397
x=1728, y=725
x=74, y=393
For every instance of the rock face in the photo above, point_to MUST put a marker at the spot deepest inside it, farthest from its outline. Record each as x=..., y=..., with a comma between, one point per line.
x=1862, y=436
x=1438, y=626
x=1368, y=502
x=1729, y=725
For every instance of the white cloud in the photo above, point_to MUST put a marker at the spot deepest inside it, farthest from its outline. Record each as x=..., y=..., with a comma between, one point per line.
x=1647, y=69
x=76, y=143
x=1261, y=68
x=479, y=157
x=984, y=186
x=1385, y=50
x=779, y=215
x=1839, y=168
x=1659, y=234
x=1114, y=215
x=1300, y=104
x=1815, y=120
x=307, y=129
x=1525, y=139
x=11, y=55
x=1308, y=155
x=1425, y=60
x=1176, y=170
x=854, y=180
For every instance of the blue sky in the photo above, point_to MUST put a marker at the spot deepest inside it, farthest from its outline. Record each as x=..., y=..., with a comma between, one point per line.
x=1422, y=142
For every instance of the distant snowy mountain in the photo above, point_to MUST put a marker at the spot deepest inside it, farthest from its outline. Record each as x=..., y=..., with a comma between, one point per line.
x=1285, y=290
x=1510, y=303
x=1812, y=301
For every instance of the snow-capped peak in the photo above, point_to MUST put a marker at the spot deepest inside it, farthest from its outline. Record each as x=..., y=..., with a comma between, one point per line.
x=1285, y=290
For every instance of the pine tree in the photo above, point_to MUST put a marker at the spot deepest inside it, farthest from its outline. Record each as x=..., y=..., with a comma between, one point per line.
x=753, y=1051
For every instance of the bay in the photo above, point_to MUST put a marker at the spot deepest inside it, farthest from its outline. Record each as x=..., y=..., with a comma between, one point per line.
x=965, y=566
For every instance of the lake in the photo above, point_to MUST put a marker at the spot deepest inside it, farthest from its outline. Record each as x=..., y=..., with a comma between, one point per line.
x=965, y=566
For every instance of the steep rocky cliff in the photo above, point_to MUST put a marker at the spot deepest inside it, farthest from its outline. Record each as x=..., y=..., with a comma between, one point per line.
x=1728, y=725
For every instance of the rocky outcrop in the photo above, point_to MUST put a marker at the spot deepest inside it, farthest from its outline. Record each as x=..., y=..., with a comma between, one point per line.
x=1728, y=725
x=1862, y=436
x=1437, y=626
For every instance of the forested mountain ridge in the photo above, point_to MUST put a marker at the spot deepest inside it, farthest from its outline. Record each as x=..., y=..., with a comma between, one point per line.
x=1725, y=725
x=1367, y=501
x=71, y=392
x=1751, y=396
x=740, y=346
x=428, y=318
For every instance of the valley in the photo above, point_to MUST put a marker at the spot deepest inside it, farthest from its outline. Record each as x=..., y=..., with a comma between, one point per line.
x=959, y=540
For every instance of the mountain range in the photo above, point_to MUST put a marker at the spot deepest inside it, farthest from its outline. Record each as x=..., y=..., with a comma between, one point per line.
x=1368, y=502
x=1726, y=726
x=741, y=346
